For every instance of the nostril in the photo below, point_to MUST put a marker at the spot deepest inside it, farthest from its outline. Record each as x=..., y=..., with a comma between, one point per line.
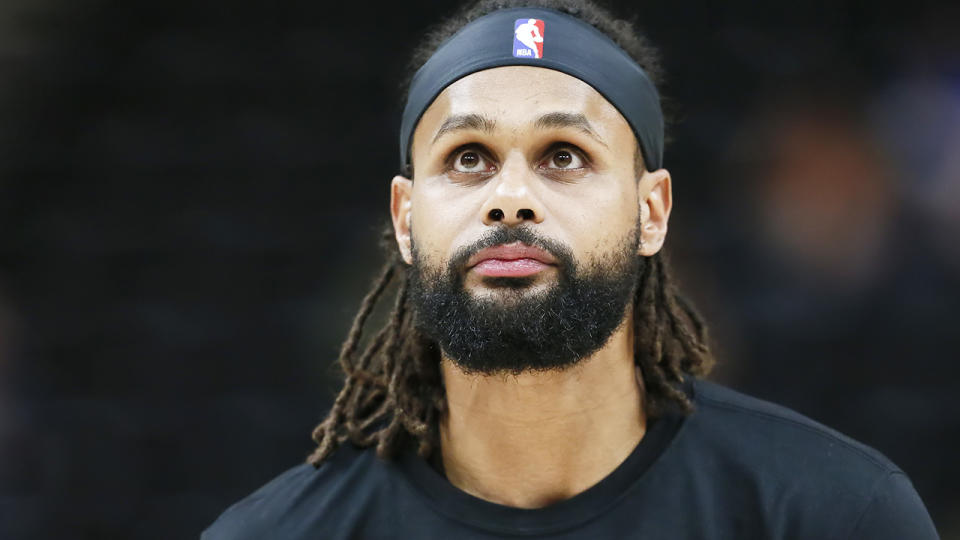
x=525, y=213
x=496, y=214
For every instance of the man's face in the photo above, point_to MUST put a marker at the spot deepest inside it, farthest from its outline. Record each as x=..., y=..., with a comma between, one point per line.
x=538, y=166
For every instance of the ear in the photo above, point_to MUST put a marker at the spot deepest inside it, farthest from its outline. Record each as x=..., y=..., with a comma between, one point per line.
x=656, y=200
x=401, y=190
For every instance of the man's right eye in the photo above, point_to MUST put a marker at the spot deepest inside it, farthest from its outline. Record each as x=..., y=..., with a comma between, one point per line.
x=470, y=161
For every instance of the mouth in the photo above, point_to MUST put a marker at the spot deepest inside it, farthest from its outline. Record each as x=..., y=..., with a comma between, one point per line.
x=510, y=260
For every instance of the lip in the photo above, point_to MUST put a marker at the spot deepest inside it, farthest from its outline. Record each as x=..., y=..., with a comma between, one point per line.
x=510, y=260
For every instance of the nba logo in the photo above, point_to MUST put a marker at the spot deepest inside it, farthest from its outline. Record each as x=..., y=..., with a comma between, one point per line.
x=528, y=38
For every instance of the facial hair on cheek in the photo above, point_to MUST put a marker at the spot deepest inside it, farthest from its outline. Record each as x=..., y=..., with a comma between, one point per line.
x=515, y=331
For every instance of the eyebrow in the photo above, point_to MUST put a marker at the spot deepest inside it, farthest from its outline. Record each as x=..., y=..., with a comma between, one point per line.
x=569, y=120
x=473, y=121
x=460, y=122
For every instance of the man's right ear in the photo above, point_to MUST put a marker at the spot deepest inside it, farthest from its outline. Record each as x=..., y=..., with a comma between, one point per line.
x=401, y=192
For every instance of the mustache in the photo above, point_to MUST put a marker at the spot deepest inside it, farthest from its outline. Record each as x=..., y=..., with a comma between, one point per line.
x=508, y=235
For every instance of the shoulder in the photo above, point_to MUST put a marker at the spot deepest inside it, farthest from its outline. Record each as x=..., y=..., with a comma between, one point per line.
x=253, y=516
x=758, y=428
x=792, y=461
x=297, y=498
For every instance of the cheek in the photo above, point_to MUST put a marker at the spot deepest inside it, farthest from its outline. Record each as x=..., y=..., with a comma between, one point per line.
x=596, y=216
x=441, y=216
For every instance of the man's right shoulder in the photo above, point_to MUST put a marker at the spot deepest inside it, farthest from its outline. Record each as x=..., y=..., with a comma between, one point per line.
x=290, y=504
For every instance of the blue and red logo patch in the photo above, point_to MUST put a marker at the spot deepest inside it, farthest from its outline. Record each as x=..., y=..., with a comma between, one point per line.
x=528, y=38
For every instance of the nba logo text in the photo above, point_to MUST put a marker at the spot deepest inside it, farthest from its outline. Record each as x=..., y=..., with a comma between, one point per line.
x=528, y=38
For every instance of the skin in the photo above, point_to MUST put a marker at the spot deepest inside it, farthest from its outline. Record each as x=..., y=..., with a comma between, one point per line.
x=519, y=440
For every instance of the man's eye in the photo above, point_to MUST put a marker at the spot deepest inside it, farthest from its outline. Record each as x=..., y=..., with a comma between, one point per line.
x=564, y=159
x=470, y=161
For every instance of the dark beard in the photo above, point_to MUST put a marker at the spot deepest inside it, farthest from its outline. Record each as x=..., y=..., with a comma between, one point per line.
x=514, y=331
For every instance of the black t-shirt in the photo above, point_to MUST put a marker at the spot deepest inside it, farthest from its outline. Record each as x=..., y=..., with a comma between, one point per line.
x=736, y=468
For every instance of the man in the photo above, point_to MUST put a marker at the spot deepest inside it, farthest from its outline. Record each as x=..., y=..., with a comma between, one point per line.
x=538, y=375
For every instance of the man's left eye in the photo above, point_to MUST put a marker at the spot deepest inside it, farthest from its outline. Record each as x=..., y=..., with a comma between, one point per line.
x=564, y=158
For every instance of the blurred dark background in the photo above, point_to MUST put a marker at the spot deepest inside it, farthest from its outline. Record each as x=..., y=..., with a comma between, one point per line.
x=190, y=193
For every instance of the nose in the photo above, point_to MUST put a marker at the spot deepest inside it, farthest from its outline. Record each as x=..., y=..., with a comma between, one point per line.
x=513, y=201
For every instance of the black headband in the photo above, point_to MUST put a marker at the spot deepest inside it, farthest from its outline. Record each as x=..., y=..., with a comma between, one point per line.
x=566, y=44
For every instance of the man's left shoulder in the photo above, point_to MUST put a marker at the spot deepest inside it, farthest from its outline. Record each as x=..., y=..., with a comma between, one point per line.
x=802, y=463
x=760, y=428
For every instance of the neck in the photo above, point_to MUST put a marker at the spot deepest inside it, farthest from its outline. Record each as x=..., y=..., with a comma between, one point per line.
x=533, y=439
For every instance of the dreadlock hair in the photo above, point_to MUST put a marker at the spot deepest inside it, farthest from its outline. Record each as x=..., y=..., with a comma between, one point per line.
x=394, y=396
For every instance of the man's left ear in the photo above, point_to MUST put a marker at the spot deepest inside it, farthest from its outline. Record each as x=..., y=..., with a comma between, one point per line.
x=656, y=200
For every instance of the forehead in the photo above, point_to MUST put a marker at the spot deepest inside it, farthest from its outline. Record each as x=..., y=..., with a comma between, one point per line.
x=514, y=96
